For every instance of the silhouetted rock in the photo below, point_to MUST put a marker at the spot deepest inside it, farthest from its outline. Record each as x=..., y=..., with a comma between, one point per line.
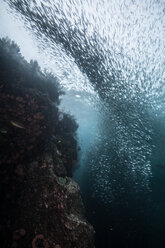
x=41, y=205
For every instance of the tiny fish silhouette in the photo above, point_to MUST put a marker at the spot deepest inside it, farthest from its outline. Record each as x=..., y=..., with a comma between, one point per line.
x=16, y=124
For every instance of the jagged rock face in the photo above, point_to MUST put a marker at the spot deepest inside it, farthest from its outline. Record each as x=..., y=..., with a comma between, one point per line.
x=41, y=206
x=29, y=124
x=59, y=207
x=48, y=212
x=26, y=118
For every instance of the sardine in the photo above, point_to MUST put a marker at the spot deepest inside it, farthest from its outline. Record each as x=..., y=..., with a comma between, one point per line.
x=16, y=124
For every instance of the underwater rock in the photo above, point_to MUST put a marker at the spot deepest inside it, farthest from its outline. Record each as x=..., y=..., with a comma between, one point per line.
x=39, y=239
x=41, y=205
x=51, y=210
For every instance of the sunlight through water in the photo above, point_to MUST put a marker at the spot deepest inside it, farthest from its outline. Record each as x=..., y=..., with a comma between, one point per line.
x=110, y=58
x=116, y=48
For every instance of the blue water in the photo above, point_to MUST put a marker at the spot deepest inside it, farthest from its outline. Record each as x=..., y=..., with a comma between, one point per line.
x=109, y=57
x=126, y=211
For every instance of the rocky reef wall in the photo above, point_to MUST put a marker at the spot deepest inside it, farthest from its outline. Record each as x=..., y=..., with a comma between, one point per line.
x=41, y=206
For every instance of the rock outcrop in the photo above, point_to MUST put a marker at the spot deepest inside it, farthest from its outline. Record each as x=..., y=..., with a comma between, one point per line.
x=41, y=206
x=40, y=209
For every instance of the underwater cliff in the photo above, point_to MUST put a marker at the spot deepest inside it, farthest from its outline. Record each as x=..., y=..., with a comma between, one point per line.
x=41, y=205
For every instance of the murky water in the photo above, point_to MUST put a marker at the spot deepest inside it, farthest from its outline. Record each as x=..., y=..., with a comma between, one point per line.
x=109, y=56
